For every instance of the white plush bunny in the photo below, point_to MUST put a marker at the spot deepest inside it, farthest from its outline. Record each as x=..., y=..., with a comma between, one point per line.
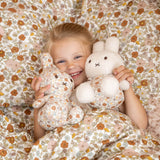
x=98, y=68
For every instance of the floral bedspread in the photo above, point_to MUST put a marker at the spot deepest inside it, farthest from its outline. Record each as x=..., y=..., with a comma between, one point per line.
x=101, y=135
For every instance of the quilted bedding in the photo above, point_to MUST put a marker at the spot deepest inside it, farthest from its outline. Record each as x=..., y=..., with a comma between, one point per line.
x=108, y=134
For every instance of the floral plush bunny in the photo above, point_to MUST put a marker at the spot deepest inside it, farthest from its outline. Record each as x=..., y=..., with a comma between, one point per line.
x=102, y=88
x=56, y=108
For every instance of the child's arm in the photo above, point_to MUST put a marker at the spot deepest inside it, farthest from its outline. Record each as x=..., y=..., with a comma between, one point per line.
x=131, y=106
x=39, y=93
x=38, y=130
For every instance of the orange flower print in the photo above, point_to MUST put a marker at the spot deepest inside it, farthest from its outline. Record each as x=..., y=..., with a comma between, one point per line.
x=14, y=92
x=10, y=128
x=157, y=11
x=140, y=11
x=87, y=25
x=2, y=53
x=36, y=158
x=140, y=69
x=10, y=139
x=84, y=158
x=1, y=78
x=0, y=19
x=72, y=19
x=35, y=26
x=42, y=21
x=15, y=78
x=64, y=158
x=116, y=14
x=9, y=22
x=158, y=27
x=105, y=141
x=130, y=4
x=142, y=23
x=3, y=152
x=55, y=18
x=12, y=10
x=122, y=118
x=20, y=58
x=64, y=144
x=50, y=1
x=102, y=27
x=33, y=58
x=116, y=158
x=134, y=38
x=21, y=125
x=124, y=23
x=22, y=37
x=144, y=82
x=100, y=15
x=76, y=125
x=3, y=4
x=27, y=112
x=131, y=142
x=24, y=138
x=100, y=126
x=20, y=23
x=134, y=54
x=14, y=49
x=5, y=104
x=59, y=129
x=34, y=8
x=29, y=80
x=14, y=1
x=27, y=150
x=156, y=49
x=1, y=112
x=144, y=141
x=1, y=37
x=21, y=6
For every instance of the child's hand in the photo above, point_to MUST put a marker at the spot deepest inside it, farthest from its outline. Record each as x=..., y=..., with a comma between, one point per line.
x=39, y=92
x=122, y=73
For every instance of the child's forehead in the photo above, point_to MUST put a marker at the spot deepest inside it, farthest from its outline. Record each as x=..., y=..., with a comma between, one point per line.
x=68, y=46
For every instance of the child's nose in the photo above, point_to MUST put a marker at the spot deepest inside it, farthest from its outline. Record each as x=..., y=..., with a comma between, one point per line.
x=71, y=65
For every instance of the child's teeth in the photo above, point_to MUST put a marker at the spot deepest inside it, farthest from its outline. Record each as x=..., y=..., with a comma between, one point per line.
x=74, y=74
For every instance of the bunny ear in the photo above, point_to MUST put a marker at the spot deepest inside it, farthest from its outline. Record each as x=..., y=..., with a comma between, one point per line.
x=98, y=46
x=112, y=44
x=46, y=60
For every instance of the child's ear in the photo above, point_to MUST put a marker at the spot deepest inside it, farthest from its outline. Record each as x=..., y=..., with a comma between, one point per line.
x=112, y=44
x=46, y=60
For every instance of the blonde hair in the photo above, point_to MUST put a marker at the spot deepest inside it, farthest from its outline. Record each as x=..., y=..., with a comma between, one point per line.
x=67, y=30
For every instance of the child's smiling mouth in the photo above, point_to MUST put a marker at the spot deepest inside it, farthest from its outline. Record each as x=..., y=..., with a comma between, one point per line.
x=75, y=75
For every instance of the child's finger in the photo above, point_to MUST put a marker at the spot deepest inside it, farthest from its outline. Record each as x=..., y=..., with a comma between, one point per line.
x=44, y=89
x=118, y=69
x=37, y=84
x=130, y=79
x=37, y=96
x=33, y=82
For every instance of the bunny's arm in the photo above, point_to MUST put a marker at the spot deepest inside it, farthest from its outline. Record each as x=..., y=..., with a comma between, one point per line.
x=85, y=93
x=40, y=102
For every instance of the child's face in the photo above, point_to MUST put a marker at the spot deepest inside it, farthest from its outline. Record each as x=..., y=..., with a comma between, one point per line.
x=69, y=55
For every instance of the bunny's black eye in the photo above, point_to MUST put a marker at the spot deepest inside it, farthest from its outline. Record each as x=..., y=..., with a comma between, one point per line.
x=89, y=61
x=105, y=58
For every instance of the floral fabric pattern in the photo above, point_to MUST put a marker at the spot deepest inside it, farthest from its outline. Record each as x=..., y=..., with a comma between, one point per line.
x=24, y=29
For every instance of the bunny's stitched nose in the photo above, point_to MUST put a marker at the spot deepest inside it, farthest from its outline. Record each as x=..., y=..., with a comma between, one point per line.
x=97, y=64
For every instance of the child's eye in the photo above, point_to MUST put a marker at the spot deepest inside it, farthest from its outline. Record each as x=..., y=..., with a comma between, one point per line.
x=77, y=57
x=61, y=61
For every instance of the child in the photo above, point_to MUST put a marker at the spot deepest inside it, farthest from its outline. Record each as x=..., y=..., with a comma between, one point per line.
x=69, y=45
